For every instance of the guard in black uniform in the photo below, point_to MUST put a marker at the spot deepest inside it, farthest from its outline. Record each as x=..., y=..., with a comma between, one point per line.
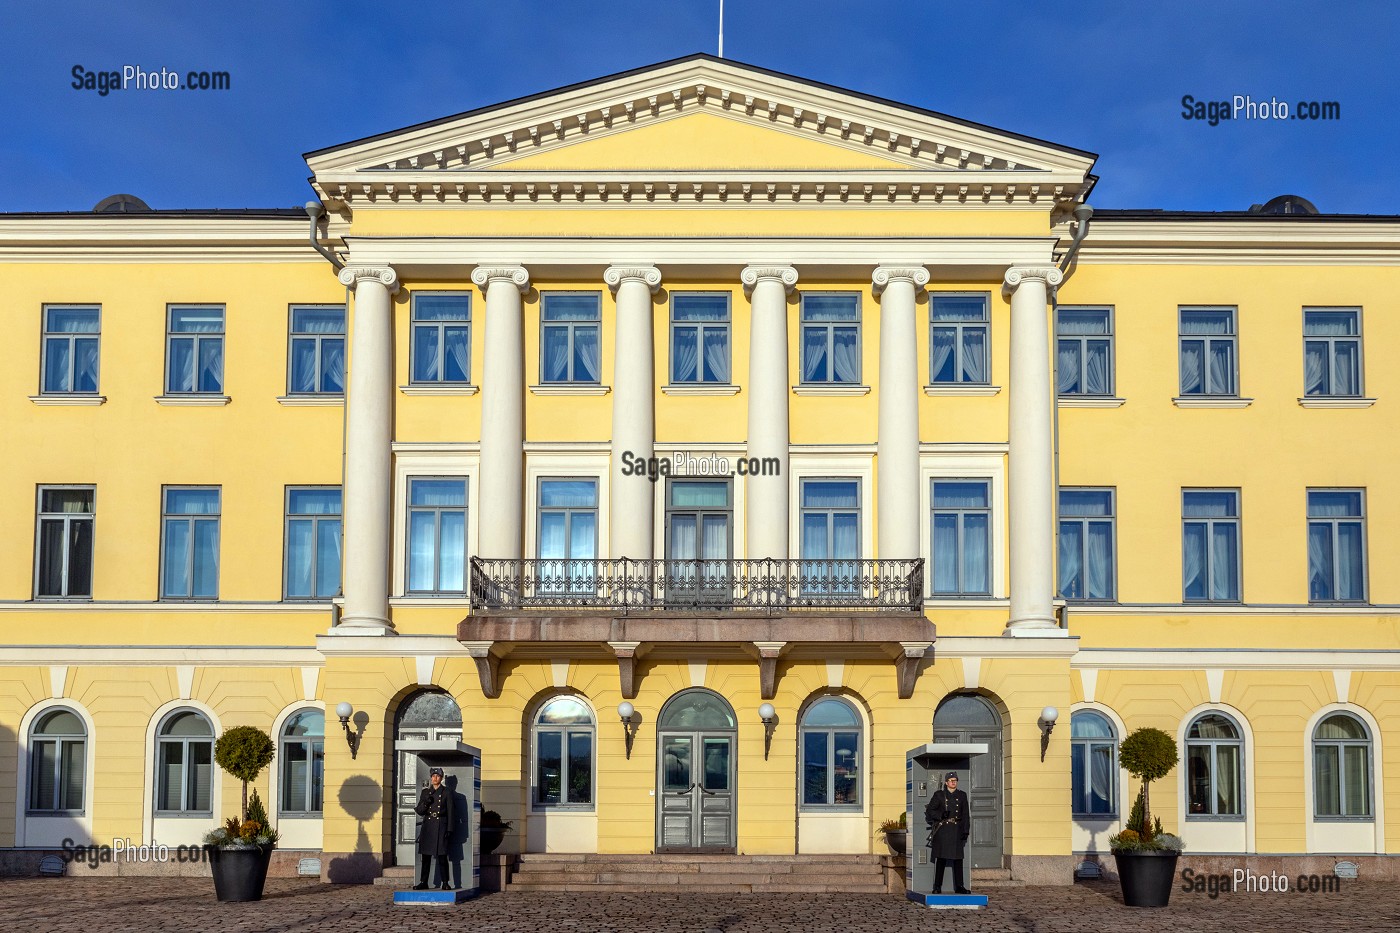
x=434, y=833
x=949, y=825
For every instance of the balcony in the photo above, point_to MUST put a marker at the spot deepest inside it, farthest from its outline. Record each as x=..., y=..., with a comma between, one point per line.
x=621, y=586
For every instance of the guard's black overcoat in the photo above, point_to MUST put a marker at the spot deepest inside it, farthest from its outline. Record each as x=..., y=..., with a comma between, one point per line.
x=435, y=806
x=949, y=823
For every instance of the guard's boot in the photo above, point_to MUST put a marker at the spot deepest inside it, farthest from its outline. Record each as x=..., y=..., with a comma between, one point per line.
x=958, y=878
x=938, y=864
x=424, y=861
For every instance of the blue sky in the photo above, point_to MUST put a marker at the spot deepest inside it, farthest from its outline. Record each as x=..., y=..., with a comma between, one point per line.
x=1103, y=76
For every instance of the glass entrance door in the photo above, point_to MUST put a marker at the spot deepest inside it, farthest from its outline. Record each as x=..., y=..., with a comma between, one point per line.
x=697, y=793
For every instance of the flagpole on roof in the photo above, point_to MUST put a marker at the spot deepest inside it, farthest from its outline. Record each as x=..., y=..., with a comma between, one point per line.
x=721, y=28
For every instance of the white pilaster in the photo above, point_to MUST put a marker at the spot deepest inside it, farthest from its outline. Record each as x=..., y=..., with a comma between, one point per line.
x=501, y=498
x=630, y=521
x=368, y=456
x=1031, y=477
x=767, y=496
x=897, y=447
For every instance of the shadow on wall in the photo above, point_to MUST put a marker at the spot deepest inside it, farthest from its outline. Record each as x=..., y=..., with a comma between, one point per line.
x=507, y=798
x=362, y=797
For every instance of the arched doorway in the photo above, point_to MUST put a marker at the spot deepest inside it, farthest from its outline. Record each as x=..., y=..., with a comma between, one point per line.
x=967, y=717
x=426, y=714
x=696, y=735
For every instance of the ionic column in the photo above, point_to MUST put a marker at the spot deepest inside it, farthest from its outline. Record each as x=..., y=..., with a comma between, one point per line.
x=766, y=499
x=1031, y=476
x=897, y=447
x=501, y=499
x=368, y=487
x=630, y=523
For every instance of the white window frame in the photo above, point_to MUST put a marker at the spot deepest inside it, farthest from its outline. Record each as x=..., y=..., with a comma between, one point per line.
x=1331, y=352
x=962, y=592
x=859, y=467
x=67, y=518
x=1236, y=520
x=538, y=806
x=71, y=338
x=830, y=731
x=410, y=509
x=419, y=463
x=989, y=464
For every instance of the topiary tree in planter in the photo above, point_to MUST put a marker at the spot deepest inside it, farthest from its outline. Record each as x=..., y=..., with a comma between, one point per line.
x=244, y=751
x=1148, y=754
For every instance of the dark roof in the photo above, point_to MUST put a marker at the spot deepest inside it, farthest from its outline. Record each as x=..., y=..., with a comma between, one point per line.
x=209, y=213
x=1185, y=216
x=703, y=56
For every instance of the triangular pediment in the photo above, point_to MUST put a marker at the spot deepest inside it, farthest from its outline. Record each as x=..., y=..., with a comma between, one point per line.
x=699, y=122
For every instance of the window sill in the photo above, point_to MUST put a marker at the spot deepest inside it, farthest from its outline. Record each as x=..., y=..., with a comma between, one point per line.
x=1213, y=818
x=835, y=390
x=68, y=399
x=975, y=391
x=422, y=600
x=1344, y=819
x=1090, y=401
x=1211, y=401
x=193, y=401
x=1322, y=401
x=701, y=388
x=570, y=390
x=444, y=389
x=311, y=401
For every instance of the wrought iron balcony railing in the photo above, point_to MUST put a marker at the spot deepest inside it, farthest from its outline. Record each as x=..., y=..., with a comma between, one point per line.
x=623, y=585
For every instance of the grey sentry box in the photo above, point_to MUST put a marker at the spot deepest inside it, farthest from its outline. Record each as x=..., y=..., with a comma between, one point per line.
x=461, y=773
x=924, y=769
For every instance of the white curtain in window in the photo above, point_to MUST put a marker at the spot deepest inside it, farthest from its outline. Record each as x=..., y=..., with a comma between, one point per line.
x=1349, y=574
x=846, y=355
x=556, y=354
x=1101, y=778
x=1193, y=560
x=1357, y=773
x=1345, y=371
x=1067, y=366
x=1192, y=369
x=552, y=532
x=1315, y=368
x=85, y=366
x=452, y=561
x=299, y=542
x=458, y=362
x=211, y=365
x=56, y=363
x=421, y=549
x=975, y=550
x=181, y=365
x=1320, y=561
x=586, y=354
x=1223, y=566
x=685, y=357
x=945, y=553
x=328, y=558
x=1096, y=368
x=717, y=353
x=715, y=543
x=1071, y=559
x=1222, y=366
x=814, y=536
x=845, y=536
x=1227, y=779
x=974, y=355
x=303, y=366
x=333, y=366
x=425, y=353
x=814, y=351
x=942, y=370
x=1327, y=784
x=1099, y=571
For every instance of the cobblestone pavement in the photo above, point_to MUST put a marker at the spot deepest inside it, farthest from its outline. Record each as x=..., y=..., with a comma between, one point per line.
x=157, y=905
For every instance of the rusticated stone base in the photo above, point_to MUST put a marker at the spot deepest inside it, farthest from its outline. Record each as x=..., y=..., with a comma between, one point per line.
x=1042, y=869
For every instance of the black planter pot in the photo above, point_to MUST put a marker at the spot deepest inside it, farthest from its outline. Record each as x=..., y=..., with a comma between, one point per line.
x=896, y=840
x=239, y=873
x=491, y=838
x=1146, y=877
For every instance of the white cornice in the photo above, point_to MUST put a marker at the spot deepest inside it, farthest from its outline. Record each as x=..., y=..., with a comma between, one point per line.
x=1300, y=659
x=85, y=239
x=162, y=655
x=1241, y=242
x=600, y=108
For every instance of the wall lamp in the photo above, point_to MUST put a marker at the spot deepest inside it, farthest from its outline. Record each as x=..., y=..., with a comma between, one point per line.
x=625, y=711
x=352, y=738
x=1047, y=725
x=770, y=719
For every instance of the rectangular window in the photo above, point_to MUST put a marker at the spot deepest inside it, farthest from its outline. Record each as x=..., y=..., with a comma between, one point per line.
x=72, y=339
x=312, y=560
x=316, y=358
x=190, y=542
x=1332, y=352
x=699, y=338
x=64, y=559
x=962, y=519
x=437, y=535
x=571, y=338
x=442, y=338
x=568, y=535
x=194, y=350
x=1086, y=544
x=960, y=328
x=1084, y=351
x=1210, y=544
x=831, y=339
x=1208, y=351
x=830, y=536
x=1336, y=545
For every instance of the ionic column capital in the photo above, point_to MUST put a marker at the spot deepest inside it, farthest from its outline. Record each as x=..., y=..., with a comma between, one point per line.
x=650, y=276
x=884, y=276
x=519, y=276
x=752, y=275
x=1048, y=275
x=351, y=276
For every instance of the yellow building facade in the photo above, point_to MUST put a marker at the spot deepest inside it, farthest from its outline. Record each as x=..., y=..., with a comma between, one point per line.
x=799, y=427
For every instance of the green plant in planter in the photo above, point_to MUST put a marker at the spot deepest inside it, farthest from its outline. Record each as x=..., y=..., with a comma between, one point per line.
x=244, y=751
x=1147, y=754
x=895, y=826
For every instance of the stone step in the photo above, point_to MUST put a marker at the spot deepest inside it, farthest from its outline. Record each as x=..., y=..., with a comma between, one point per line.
x=991, y=874
x=706, y=859
x=399, y=876
x=768, y=868
x=747, y=887
x=718, y=874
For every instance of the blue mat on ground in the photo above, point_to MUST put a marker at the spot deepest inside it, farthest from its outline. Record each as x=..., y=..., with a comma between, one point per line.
x=433, y=898
x=949, y=901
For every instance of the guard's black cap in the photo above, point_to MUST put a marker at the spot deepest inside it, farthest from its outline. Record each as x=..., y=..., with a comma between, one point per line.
x=950, y=774
x=437, y=771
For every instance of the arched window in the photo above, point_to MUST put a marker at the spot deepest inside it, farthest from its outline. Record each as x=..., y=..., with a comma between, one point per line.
x=1214, y=768
x=303, y=763
x=1093, y=764
x=830, y=755
x=1342, y=769
x=564, y=742
x=58, y=763
x=184, y=764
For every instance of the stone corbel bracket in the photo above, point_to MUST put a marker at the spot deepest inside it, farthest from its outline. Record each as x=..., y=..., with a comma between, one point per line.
x=908, y=663
x=487, y=655
x=628, y=654
x=768, y=654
